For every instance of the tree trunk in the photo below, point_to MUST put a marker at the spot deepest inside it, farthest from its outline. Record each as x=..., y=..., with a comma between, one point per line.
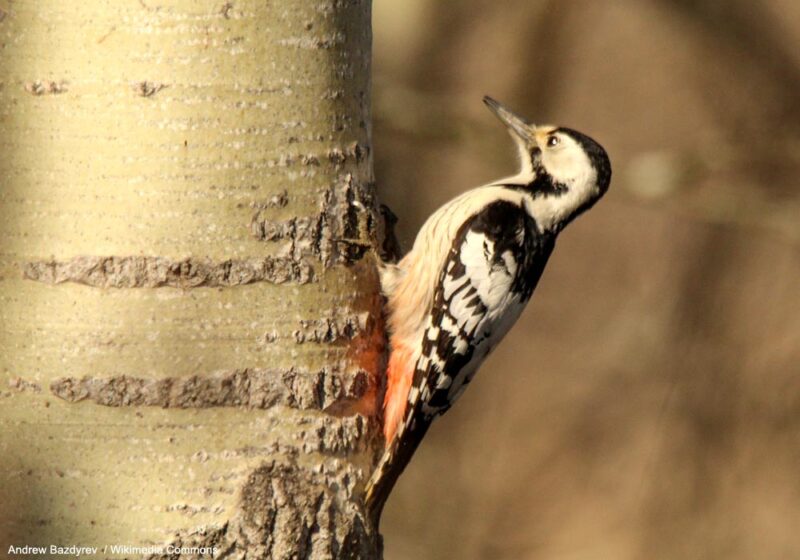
x=191, y=333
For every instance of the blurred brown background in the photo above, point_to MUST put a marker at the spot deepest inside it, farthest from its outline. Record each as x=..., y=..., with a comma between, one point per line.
x=647, y=405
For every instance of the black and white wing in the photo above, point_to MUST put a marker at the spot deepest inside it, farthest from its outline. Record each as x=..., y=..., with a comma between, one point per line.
x=487, y=278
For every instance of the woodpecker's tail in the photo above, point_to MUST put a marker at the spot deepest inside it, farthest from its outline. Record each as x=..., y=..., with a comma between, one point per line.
x=403, y=427
x=393, y=462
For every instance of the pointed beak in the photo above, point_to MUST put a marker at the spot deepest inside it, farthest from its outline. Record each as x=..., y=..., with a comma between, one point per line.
x=514, y=122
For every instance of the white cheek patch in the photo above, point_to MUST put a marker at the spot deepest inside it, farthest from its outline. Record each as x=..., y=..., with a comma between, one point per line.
x=569, y=165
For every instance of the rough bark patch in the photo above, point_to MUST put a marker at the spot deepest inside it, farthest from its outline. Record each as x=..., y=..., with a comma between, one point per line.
x=327, y=330
x=251, y=388
x=336, y=436
x=339, y=233
x=156, y=272
x=279, y=200
x=45, y=87
x=148, y=89
x=354, y=152
x=287, y=511
x=23, y=385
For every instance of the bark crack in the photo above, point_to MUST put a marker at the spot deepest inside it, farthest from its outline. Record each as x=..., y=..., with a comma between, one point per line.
x=46, y=87
x=156, y=272
x=326, y=389
x=327, y=330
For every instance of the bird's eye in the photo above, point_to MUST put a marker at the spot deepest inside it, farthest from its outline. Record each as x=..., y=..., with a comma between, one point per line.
x=553, y=141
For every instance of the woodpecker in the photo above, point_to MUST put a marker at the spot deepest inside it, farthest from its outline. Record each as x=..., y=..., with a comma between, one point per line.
x=472, y=269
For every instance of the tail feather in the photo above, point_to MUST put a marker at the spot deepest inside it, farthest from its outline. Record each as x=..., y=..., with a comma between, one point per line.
x=402, y=434
x=392, y=464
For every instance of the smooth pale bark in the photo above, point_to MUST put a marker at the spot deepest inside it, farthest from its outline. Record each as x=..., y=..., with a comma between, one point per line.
x=189, y=304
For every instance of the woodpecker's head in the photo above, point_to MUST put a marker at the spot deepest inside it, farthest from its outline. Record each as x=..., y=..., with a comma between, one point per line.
x=561, y=166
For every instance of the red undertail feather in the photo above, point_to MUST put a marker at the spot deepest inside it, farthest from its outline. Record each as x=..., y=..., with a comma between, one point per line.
x=399, y=375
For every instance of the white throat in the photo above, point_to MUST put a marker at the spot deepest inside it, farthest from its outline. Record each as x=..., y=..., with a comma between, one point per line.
x=552, y=211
